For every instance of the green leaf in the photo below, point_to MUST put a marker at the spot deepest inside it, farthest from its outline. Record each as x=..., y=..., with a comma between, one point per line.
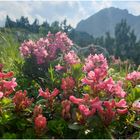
x=6, y=101
x=51, y=72
x=41, y=101
x=6, y=117
x=58, y=127
x=77, y=71
x=134, y=95
x=87, y=88
x=21, y=124
x=9, y=136
x=136, y=135
x=29, y=134
x=74, y=126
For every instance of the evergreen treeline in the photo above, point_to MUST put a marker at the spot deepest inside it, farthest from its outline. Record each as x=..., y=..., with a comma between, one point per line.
x=35, y=27
x=124, y=44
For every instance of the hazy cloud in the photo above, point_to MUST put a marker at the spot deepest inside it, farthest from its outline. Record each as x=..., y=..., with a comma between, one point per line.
x=73, y=11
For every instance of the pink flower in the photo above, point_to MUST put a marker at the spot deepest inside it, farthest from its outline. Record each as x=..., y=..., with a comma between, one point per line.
x=121, y=107
x=93, y=78
x=133, y=77
x=122, y=111
x=21, y=100
x=95, y=61
x=1, y=95
x=67, y=83
x=46, y=49
x=10, y=84
x=86, y=105
x=6, y=75
x=106, y=85
x=47, y=95
x=96, y=70
x=90, y=106
x=41, y=54
x=119, y=92
x=121, y=103
x=115, y=61
x=54, y=93
x=37, y=110
x=108, y=113
x=136, y=105
x=85, y=110
x=59, y=67
x=66, y=104
x=71, y=58
x=112, y=88
x=7, y=87
x=62, y=41
x=26, y=48
x=40, y=122
x=96, y=104
x=75, y=100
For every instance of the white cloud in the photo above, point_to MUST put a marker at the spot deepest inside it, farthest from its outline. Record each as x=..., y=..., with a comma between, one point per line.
x=72, y=10
x=98, y=5
x=40, y=18
x=134, y=7
x=17, y=9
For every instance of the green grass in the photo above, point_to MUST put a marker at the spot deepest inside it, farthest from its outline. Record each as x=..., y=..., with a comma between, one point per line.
x=9, y=52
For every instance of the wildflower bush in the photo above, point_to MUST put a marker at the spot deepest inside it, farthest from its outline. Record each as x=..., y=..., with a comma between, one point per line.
x=72, y=97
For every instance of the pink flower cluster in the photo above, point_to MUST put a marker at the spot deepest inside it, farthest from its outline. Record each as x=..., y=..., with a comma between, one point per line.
x=46, y=49
x=67, y=83
x=62, y=42
x=111, y=109
x=71, y=58
x=66, y=105
x=86, y=105
x=40, y=124
x=6, y=75
x=37, y=110
x=115, y=61
x=27, y=47
x=133, y=77
x=106, y=109
x=96, y=68
x=95, y=62
x=21, y=100
x=136, y=105
x=10, y=85
x=112, y=88
x=7, y=86
x=47, y=95
x=59, y=67
x=105, y=105
x=39, y=120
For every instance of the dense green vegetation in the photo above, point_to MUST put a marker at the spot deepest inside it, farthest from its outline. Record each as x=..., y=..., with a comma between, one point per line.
x=51, y=87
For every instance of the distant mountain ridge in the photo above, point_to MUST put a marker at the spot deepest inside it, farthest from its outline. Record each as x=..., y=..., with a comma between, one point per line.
x=106, y=19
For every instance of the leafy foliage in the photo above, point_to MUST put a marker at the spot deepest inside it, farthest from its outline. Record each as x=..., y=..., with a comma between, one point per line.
x=67, y=96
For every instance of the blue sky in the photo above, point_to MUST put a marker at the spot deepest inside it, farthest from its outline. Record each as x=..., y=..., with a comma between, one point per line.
x=72, y=10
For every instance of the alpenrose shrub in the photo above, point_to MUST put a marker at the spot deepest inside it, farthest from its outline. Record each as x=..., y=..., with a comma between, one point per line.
x=46, y=49
x=79, y=100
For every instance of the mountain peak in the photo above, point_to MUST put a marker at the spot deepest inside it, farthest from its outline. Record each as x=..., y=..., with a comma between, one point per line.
x=114, y=9
x=105, y=21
